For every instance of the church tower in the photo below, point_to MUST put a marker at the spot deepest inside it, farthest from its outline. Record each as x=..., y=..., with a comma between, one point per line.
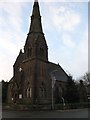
x=30, y=82
x=34, y=65
x=36, y=46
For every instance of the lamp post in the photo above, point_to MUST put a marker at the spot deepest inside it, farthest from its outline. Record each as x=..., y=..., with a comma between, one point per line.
x=53, y=82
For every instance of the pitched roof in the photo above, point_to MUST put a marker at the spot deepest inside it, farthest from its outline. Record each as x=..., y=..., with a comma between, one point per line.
x=60, y=75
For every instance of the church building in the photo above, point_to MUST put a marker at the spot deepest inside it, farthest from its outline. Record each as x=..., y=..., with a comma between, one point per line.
x=34, y=76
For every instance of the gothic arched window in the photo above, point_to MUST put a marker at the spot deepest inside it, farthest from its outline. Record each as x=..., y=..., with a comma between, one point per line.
x=29, y=92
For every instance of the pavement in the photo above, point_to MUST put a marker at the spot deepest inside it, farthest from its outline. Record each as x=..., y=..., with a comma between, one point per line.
x=75, y=113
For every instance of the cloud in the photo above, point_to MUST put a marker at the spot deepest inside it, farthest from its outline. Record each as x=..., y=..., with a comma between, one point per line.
x=6, y=70
x=68, y=22
x=64, y=0
x=11, y=15
x=12, y=37
x=68, y=41
x=62, y=17
x=65, y=18
x=44, y=1
x=79, y=62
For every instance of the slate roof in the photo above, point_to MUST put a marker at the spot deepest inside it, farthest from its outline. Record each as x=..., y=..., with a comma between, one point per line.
x=60, y=75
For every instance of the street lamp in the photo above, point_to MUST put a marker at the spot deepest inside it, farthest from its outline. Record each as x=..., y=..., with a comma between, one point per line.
x=53, y=82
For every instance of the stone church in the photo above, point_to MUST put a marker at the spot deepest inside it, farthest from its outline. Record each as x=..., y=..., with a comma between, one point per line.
x=34, y=76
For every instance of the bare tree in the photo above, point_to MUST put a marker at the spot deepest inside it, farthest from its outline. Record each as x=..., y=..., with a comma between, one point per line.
x=86, y=78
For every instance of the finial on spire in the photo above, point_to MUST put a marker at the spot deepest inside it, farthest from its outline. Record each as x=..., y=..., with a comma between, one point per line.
x=35, y=0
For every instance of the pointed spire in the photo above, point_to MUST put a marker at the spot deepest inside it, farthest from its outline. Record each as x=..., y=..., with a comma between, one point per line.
x=36, y=11
x=35, y=0
x=36, y=25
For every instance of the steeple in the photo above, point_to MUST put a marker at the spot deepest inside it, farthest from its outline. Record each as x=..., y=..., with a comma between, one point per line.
x=35, y=45
x=36, y=26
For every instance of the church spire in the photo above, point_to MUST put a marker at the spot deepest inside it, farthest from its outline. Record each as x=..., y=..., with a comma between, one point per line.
x=35, y=45
x=35, y=0
x=36, y=26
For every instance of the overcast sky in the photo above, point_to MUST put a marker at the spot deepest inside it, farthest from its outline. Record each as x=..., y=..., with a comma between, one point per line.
x=65, y=25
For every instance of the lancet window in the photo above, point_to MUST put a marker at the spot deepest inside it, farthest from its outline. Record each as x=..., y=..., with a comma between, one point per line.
x=29, y=92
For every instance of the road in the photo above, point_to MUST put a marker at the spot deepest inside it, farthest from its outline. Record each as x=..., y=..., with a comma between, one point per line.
x=77, y=113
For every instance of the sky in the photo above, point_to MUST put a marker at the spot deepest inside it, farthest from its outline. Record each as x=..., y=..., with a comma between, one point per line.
x=65, y=25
